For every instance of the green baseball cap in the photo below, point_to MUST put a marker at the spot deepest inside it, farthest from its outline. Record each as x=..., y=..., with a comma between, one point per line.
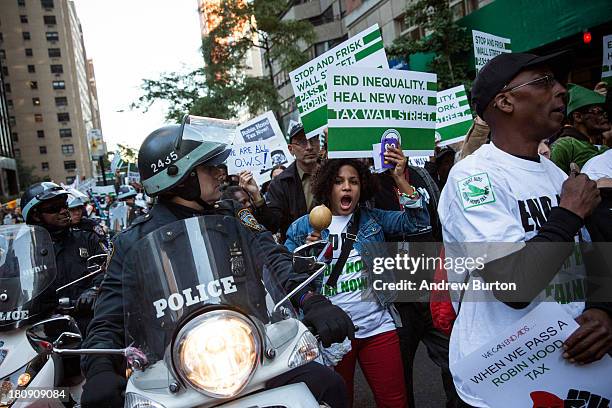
x=580, y=96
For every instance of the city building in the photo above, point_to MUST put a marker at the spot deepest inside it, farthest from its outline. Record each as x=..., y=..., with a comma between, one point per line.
x=9, y=185
x=326, y=17
x=48, y=87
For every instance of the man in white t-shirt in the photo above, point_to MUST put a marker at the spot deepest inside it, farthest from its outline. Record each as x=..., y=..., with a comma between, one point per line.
x=599, y=166
x=506, y=193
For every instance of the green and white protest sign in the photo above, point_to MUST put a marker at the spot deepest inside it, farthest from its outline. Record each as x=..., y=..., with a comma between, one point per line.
x=366, y=105
x=454, y=117
x=487, y=46
x=364, y=49
x=523, y=366
x=606, y=68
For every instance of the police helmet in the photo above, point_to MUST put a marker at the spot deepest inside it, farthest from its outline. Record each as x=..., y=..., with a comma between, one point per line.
x=75, y=202
x=36, y=194
x=126, y=192
x=168, y=157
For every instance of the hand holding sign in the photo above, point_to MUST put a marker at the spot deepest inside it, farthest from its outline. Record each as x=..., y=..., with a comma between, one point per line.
x=248, y=183
x=592, y=340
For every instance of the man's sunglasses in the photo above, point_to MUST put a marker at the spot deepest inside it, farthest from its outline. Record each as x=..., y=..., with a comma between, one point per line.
x=547, y=81
x=53, y=209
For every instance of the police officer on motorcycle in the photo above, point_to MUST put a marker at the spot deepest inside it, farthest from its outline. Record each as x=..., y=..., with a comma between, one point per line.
x=45, y=204
x=79, y=220
x=177, y=165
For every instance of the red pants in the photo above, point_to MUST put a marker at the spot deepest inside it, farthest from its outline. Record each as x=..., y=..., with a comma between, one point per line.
x=381, y=362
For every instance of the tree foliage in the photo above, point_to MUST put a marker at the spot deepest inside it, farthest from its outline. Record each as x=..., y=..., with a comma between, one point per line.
x=224, y=85
x=448, y=41
x=26, y=174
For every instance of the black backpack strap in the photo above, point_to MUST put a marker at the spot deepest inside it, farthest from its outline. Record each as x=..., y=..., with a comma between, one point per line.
x=347, y=247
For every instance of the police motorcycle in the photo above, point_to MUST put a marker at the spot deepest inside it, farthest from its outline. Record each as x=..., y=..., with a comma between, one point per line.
x=33, y=318
x=207, y=322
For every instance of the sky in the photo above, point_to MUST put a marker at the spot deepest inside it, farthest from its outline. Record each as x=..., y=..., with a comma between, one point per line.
x=130, y=40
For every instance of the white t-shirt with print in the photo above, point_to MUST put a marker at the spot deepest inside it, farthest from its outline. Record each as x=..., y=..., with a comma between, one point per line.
x=599, y=166
x=371, y=317
x=492, y=196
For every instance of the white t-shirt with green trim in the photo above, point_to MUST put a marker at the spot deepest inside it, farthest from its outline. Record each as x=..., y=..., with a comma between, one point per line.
x=492, y=196
x=371, y=317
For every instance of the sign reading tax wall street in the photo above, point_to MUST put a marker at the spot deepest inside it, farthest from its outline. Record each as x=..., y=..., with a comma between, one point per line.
x=367, y=104
x=454, y=117
x=364, y=49
x=487, y=46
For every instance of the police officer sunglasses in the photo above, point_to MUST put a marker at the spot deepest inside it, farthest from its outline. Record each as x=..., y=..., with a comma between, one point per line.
x=53, y=208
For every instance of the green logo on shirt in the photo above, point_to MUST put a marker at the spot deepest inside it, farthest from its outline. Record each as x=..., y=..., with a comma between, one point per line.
x=475, y=190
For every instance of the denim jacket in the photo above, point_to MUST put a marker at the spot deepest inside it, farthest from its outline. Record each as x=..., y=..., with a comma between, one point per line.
x=373, y=224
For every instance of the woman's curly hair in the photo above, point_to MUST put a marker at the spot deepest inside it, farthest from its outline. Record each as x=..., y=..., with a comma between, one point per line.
x=326, y=176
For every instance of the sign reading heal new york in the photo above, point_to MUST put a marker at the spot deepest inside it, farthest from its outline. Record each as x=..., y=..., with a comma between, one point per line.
x=487, y=46
x=367, y=106
x=309, y=81
x=454, y=117
x=606, y=68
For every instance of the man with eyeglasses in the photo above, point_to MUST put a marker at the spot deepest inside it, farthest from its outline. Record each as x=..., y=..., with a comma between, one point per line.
x=45, y=204
x=290, y=194
x=512, y=204
x=581, y=139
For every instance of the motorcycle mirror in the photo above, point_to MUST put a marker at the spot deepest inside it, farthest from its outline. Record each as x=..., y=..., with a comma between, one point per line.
x=318, y=270
x=93, y=270
x=68, y=340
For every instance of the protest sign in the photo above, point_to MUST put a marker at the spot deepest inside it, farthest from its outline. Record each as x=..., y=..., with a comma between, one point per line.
x=418, y=161
x=454, y=117
x=524, y=367
x=367, y=105
x=309, y=81
x=487, y=46
x=263, y=127
x=606, y=69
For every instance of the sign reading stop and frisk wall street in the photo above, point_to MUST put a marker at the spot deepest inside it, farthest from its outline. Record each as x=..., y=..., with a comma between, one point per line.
x=264, y=148
x=606, y=69
x=524, y=366
x=368, y=106
x=309, y=81
x=487, y=46
x=454, y=117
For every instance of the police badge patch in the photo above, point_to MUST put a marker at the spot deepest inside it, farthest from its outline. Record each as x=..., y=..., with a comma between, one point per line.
x=247, y=218
x=83, y=253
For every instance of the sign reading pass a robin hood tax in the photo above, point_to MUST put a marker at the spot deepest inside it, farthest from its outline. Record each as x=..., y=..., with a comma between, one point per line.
x=368, y=106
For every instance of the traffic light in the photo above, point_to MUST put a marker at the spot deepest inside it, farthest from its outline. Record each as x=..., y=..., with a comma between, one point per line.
x=587, y=37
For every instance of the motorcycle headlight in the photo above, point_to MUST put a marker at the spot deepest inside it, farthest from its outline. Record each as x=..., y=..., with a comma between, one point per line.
x=217, y=352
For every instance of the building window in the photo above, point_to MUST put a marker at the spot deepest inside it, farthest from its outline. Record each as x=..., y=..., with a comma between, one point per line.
x=12, y=121
x=17, y=152
x=5, y=71
x=49, y=20
x=26, y=35
x=36, y=101
x=67, y=148
x=28, y=52
x=23, y=18
x=52, y=36
x=59, y=85
x=33, y=85
x=57, y=69
x=31, y=69
x=9, y=103
x=61, y=101
x=42, y=149
x=54, y=52
x=63, y=117
x=38, y=117
x=2, y=54
x=326, y=17
x=65, y=132
x=46, y=4
x=15, y=136
x=40, y=134
x=461, y=8
x=7, y=88
x=70, y=165
x=1, y=37
x=21, y=3
x=44, y=166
